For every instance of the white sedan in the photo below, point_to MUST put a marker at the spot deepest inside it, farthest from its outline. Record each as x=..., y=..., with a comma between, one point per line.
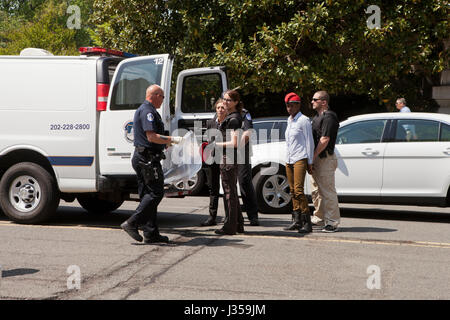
x=390, y=158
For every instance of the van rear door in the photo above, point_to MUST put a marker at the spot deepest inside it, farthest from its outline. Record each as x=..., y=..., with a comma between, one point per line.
x=197, y=91
x=127, y=93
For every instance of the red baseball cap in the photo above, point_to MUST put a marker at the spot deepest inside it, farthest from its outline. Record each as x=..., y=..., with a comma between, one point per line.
x=291, y=97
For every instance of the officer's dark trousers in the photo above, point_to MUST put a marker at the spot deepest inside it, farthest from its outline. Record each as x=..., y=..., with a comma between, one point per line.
x=213, y=181
x=247, y=190
x=233, y=213
x=150, y=195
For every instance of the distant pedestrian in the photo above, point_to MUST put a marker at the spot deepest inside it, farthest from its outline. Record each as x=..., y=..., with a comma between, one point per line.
x=325, y=126
x=400, y=104
x=300, y=152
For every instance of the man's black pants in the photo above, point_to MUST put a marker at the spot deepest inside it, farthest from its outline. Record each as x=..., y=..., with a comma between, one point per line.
x=150, y=194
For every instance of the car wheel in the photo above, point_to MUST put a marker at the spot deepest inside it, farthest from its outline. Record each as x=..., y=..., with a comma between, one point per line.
x=95, y=205
x=28, y=193
x=195, y=184
x=272, y=192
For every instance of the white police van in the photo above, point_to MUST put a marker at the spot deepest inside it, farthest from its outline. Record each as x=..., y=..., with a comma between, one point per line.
x=66, y=125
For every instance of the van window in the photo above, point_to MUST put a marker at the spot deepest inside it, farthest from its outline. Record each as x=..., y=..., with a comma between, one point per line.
x=200, y=92
x=132, y=81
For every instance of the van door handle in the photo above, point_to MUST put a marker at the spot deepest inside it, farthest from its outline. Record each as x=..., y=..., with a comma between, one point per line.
x=370, y=152
x=447, y=151
x=120, y=154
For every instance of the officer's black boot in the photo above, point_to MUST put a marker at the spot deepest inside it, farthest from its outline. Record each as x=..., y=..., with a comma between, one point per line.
x=296, y=222
x=132, y=230
x=307, y=225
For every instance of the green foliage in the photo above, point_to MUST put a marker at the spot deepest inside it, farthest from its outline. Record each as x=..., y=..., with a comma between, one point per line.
x=42, y=24
x=268, y=46
x=280, y=46
x=21, y=8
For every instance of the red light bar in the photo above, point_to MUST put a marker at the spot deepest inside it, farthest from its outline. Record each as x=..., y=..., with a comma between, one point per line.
x=98, y=50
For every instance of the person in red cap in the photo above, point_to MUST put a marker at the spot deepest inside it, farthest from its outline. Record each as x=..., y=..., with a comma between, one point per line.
x=300, y=153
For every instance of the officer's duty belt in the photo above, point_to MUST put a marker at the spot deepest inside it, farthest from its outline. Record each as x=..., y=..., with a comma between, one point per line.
x=149, y=154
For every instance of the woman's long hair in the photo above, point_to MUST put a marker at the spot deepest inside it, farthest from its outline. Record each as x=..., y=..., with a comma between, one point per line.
x=235, y=96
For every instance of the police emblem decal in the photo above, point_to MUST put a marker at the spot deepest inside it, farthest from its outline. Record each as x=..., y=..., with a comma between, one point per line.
x=129, y=133
x=150, y=117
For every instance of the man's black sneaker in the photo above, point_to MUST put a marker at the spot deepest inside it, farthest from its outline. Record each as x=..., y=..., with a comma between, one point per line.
x=329, y=229
x=254, y=222
x=132, y=231
x=156, y=239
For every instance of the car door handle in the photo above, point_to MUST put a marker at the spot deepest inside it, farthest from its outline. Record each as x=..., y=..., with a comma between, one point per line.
x=370, y=152
x=447, y=151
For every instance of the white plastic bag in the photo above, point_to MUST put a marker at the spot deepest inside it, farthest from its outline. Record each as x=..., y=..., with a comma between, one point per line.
x=183, y=160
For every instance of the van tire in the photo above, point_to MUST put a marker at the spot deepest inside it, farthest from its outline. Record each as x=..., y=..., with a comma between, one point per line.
x=197, y=186
x=28, y=193
x=95, y=205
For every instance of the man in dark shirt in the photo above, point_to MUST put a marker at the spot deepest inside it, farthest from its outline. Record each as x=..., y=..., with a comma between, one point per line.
x=325, y=126
x=149, y=143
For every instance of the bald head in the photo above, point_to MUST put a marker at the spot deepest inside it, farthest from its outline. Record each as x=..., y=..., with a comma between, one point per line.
x=155, y=95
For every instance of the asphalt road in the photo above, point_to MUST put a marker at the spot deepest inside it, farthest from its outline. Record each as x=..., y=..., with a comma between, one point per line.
x=380, y=252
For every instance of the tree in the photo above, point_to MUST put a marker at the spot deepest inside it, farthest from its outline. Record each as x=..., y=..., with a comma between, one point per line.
x=21, y=8
x=42, y=24
x=279, y=46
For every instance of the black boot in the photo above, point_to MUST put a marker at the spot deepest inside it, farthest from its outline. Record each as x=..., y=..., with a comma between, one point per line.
x=132, y=231
x=296, y=222
x=307, y=225
x=211, y=221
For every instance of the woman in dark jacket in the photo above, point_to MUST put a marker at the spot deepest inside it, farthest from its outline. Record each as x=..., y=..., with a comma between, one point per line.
x=234, y=221
x=212, y=167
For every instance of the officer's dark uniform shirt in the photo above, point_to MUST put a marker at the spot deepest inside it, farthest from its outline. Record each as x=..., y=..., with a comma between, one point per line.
x=247, y=123
x=232, y=122
x=325, y=125
x=147, y=118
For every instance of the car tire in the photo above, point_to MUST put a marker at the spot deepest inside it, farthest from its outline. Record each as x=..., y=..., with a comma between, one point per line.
x=28, y=193
x=195, y=185
x=95, y=205
x=272, y=192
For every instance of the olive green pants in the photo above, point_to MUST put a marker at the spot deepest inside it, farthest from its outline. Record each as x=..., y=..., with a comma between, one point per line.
x=296, y=177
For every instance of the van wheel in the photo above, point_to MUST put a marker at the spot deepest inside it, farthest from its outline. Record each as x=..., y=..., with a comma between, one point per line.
x=95, y=205
x=28, y=193
x=272, y=192
x=195, y=184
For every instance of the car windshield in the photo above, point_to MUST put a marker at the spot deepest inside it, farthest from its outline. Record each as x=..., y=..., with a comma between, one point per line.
x=269, y=130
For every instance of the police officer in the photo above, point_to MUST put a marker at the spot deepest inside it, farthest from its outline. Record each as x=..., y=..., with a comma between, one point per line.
x=245, y=171
x=149, y=143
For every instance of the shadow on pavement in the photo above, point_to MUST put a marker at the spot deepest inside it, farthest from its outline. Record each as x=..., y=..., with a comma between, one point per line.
x=18, y=272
